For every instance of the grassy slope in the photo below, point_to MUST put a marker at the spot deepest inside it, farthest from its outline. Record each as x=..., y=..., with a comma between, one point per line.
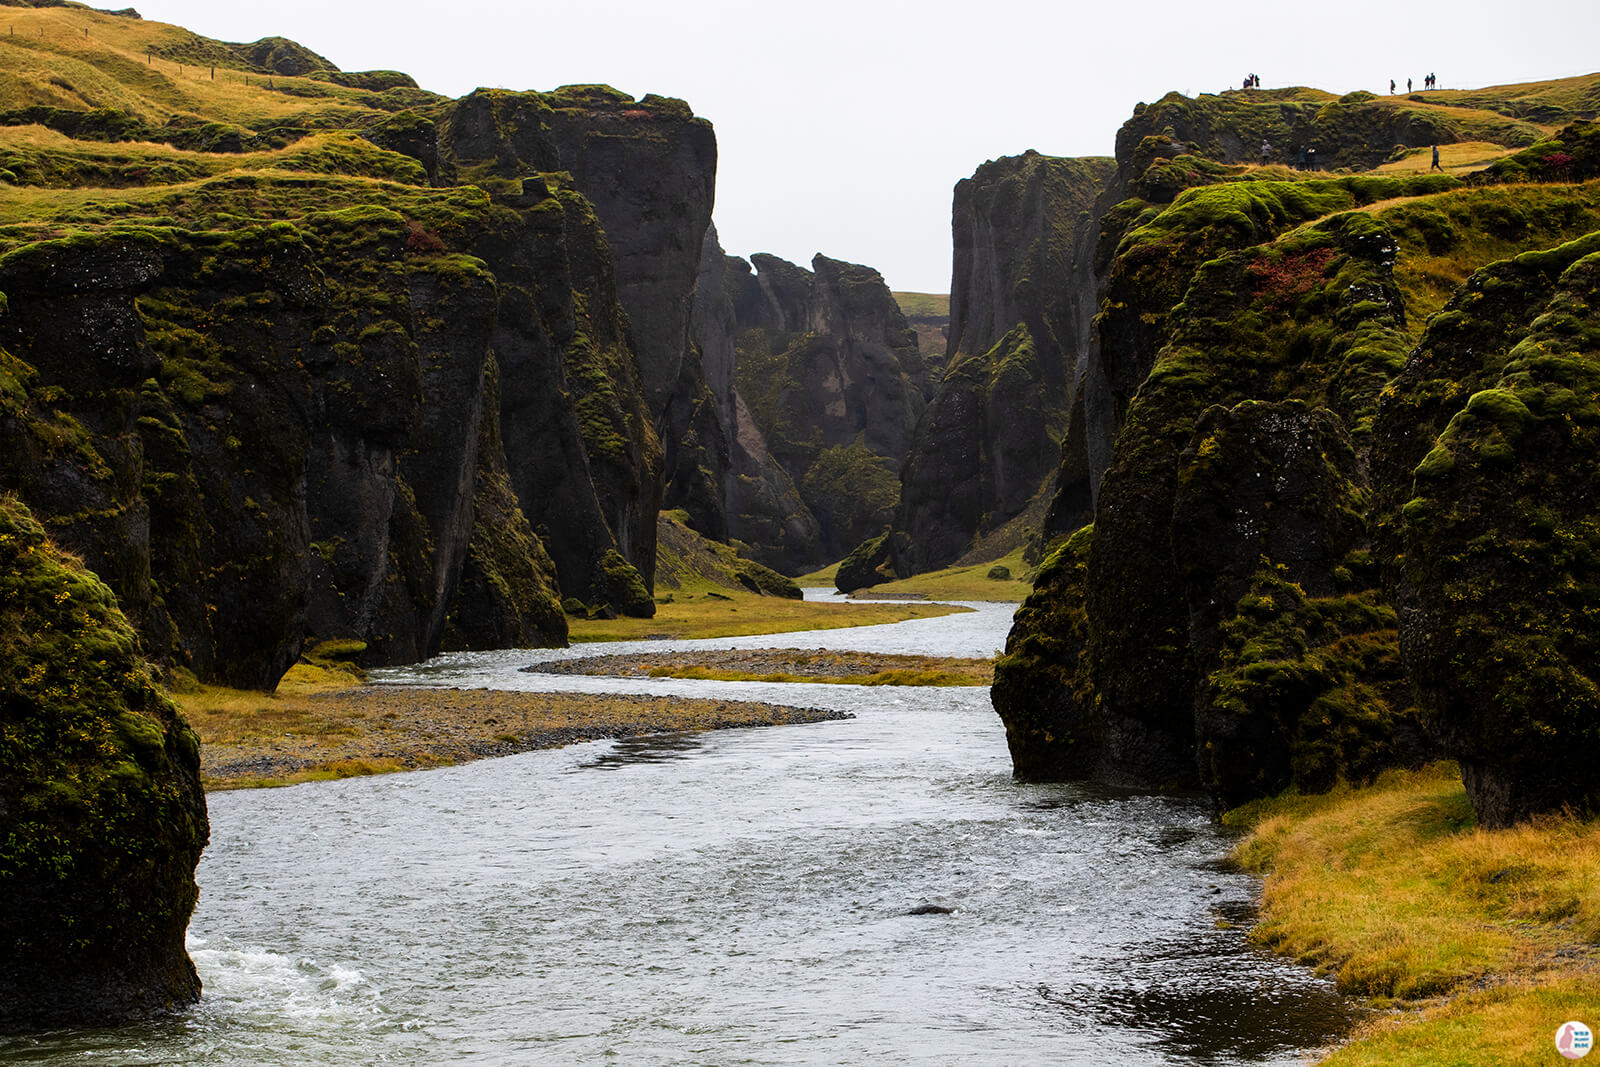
x=741, y=614
x=964, y=583
x=697, y=595
x=923, y=303
x=49, y=60
x=1485, y=940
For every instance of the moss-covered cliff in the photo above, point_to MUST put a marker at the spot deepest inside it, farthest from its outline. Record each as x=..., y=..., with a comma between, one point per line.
x=832, y=376
x=1320, y=546
x=101, y=815
x=368, y=367
x=1021, y=301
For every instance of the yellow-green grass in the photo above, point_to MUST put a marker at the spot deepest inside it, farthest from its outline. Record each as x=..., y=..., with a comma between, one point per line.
x=739, y=614
x=820, y=579
x=1429, y=278
x=1579, y=95
x=964, y=583
x=1486, y=939
x=47, y=59
x=923, y=303
x=1462, y=158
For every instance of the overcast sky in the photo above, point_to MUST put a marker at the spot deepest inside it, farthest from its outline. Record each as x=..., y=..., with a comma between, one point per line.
x=842, y=125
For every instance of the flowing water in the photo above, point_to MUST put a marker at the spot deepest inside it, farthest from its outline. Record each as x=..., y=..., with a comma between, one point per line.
x=735, y=897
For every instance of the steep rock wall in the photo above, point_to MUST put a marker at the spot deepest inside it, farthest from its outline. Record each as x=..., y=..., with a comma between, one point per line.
x=1265, y=599
x=277, y=429
x=1021, y=298
x=832, y=376
x=722, y=472
x=102, y=818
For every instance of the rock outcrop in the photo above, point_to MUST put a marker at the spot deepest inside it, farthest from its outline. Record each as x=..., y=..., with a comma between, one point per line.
x=388, y=391
x=1490, y=453
x=832, y=376
x=1314, y=555
x=102, y=818
x=720, y=469
x=1021, y=301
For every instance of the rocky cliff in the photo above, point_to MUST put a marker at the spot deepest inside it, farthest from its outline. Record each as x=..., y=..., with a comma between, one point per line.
x=1297, y=572
x=721, y=471
x=323, y=358
x=381, y=386
x=101, y=815
x=1021, y=300
x=832, y=384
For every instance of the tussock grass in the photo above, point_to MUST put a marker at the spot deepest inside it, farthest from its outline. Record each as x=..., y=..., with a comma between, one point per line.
x=234, y=716
x=1395, y=890
x=1462, y=158
x=251, y=740
x=934, y=304
x=47, y=59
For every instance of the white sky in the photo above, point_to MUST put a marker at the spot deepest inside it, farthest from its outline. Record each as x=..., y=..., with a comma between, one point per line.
x=842, y=125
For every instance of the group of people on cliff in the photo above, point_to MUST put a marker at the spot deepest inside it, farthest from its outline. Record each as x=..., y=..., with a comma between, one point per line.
x=1429, y=81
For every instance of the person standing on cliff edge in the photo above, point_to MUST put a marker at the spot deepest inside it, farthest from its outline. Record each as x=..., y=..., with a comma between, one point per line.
x=1266, y=152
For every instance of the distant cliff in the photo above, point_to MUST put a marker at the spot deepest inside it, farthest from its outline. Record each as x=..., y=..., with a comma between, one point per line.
x=832, y=375
x=721, y=470
x=1021, y=299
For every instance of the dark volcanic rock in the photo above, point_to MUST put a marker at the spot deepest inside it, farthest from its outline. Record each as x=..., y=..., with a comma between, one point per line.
x=1492, y=453
x=835, y=382
x=1041, y=687
x=1022, y=295
x=720, y=469
x=277, y=444
x=101, y=814
x=1289, y=635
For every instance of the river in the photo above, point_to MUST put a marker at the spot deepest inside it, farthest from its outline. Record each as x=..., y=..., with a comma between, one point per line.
x=734, y=897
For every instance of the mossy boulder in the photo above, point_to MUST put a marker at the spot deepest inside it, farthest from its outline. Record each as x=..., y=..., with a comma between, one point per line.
x=766, y=581
x=102, y=818
x=624, y=589
x=869, y=563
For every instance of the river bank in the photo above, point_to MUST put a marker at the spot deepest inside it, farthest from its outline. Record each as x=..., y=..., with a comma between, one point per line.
x=1475, y=945
x=253, y=740
x=781, y=665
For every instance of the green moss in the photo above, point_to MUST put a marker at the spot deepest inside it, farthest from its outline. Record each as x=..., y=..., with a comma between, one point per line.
x=102, y=815
x=624, y=588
